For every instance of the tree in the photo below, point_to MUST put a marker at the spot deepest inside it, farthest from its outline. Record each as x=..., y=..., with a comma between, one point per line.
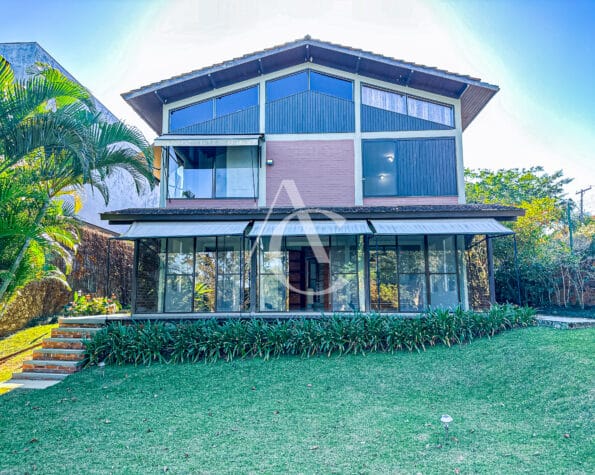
x=551, y=273
x=52, y=143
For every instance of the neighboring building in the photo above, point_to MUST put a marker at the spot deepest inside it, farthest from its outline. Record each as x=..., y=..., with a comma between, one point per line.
x=23, y=56
x=368, y=148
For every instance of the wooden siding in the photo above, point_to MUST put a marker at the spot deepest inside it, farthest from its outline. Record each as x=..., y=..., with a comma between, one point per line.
x=242, y=122
x=380, y=120
x=310, y=112
x=426, y=167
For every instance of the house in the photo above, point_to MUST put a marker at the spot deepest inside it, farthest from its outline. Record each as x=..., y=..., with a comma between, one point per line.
x=309, y=177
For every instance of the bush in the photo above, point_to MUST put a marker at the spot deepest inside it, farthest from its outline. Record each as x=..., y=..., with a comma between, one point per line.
x=87, y=305
x=210, y=340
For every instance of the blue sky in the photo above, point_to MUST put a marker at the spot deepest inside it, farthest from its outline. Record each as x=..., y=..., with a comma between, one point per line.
x=540, y=53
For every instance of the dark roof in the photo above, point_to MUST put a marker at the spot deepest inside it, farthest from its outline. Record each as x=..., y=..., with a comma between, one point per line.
x=23, y=55
x=503, y=213
x=147, y=101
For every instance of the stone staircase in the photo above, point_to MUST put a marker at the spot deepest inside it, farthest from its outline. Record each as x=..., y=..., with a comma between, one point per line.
x=60, y=355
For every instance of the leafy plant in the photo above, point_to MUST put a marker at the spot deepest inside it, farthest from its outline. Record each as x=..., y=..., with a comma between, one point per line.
x=88, y=305
x=210, y=340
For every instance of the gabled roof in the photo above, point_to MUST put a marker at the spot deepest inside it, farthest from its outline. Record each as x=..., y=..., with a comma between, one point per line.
x=22, y=55
x=474, y=94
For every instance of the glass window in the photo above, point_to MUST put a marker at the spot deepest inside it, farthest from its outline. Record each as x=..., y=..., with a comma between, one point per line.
x=309, y=80
x=236, y=101
x=204, y=274
x=236, y=173
x=272, y=278
x=229, y=290
x=386, y=100
x=379, y=168
x=412, y=273
x=287, y=86
x=431, y=111
x=178, y=282
x=412, y=288
x=344, y=280
x=331, y=85
x=384, y=284
x=150, y=267
x=442, y=256
x=190, y=115
x=213, y=172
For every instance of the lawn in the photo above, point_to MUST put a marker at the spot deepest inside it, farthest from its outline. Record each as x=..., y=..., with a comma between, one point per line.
x=16, y=344
x=521, y=402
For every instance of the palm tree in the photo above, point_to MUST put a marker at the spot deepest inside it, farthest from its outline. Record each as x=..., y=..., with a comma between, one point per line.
x=52, y=143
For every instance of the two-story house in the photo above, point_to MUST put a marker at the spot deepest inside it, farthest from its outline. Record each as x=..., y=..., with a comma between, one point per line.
x=308, y=177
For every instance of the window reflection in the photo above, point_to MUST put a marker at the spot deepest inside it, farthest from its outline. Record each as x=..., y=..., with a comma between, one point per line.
x=309, y=80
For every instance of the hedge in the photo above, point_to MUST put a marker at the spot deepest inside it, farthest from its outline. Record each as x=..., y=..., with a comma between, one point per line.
x=145, y=342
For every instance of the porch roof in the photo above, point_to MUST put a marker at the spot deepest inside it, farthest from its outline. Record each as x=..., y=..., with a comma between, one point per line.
x=305, y=228
x=461, y=211
x=439, y=226
x=160, y=229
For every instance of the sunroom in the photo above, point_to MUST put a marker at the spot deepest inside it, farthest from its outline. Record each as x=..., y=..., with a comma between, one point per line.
x=275, y=267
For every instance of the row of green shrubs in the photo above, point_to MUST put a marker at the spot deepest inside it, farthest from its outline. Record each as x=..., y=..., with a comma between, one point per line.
x=210, y=340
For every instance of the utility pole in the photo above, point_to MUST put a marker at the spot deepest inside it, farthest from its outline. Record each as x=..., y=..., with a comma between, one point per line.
x=568, y=216
x=582, y=193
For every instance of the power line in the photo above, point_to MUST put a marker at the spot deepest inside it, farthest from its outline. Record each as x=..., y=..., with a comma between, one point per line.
x=582, y=193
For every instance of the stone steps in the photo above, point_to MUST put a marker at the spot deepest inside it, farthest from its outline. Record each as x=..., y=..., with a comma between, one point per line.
x=60, y=355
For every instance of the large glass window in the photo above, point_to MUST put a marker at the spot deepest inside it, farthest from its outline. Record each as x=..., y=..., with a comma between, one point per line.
x=213, y=172
x=407, y=105
x=213, y=108
x=309, y=80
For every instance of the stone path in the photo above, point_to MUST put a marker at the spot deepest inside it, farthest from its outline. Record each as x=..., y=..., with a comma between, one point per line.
x=564, y=323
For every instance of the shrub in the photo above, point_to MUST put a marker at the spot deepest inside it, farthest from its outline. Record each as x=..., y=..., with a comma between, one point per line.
x=210, y=340
x=87, y=305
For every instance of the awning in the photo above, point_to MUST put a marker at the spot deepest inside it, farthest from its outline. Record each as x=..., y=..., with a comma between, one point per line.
x=439, y=226
x=207, y=140
x=161, y=229
x=305, y=228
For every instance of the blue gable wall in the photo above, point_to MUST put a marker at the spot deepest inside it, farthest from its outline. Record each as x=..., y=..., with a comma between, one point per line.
x=310, y=112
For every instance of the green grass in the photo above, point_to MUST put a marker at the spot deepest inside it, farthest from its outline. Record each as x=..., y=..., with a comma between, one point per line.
x=17, y=342
x=513, y=399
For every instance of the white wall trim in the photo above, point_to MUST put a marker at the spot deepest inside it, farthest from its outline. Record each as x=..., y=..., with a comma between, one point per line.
x=307, y=137
x=412, y=134
x=357, y=147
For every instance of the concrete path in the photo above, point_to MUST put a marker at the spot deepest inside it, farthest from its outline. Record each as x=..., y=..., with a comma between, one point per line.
x=28, y=384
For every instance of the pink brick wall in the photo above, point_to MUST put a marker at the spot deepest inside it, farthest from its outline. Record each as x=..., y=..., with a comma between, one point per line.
x=412, y=200
x=322, y=170
x=243, y=203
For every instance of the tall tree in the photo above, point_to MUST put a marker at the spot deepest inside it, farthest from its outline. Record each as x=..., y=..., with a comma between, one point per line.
x=53, y=142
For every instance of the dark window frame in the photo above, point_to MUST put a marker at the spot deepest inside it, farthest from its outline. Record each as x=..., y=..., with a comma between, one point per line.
x=407, y=97
x=308, y=71
x=255, y=176
x=213, y=101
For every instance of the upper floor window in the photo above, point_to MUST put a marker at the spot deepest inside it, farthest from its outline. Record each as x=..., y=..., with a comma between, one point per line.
x=213, y=108
x=409, y=167
x=411, y=106
x=309, y=81
x=213, y=172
